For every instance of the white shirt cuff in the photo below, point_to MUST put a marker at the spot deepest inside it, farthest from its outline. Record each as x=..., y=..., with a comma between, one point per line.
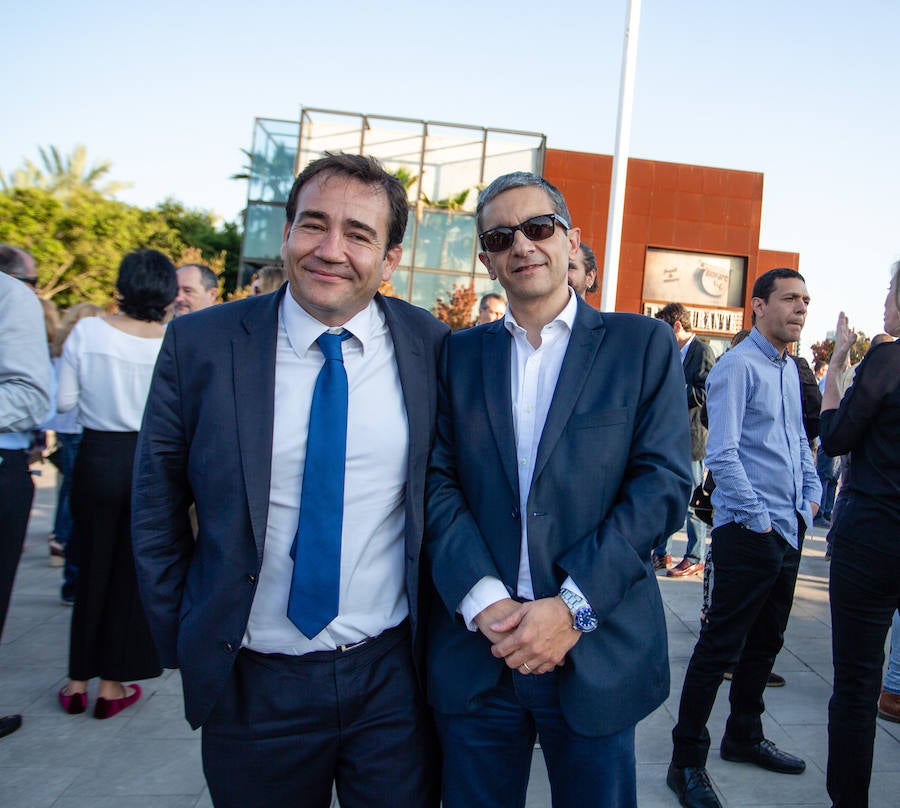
x=573, y=587
x=486, y=592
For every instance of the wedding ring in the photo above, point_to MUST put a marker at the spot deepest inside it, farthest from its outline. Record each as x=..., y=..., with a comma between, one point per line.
x=527, y=669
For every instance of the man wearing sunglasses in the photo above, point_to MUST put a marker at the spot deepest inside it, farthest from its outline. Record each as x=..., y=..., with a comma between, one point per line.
x=551, y=623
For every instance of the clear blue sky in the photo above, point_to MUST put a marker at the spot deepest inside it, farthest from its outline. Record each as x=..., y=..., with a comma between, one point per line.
x=805, y=92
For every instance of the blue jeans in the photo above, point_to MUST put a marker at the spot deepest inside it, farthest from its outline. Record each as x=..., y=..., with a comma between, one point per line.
x=892, y=676
x=63, y=526
x=488, y=752
x=696, y=528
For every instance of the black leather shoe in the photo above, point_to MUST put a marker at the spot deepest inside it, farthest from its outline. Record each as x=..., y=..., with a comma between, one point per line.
x=693, y=787
x=9, y=724
x=764, y=754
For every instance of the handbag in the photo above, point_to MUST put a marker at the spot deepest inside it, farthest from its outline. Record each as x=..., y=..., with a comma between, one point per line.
x=701, y=499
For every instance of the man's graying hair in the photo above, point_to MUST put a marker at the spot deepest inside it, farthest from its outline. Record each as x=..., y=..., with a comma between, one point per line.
x=521, y=179
x=208, y=278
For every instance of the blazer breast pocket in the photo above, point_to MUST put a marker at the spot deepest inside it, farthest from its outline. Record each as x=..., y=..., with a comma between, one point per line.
x=597, y=419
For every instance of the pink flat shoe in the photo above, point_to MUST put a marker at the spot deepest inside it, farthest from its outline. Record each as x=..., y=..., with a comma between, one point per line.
x=107, y=708
x=73, y=703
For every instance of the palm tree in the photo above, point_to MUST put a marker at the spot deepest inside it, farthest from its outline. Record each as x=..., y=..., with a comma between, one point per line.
x=64, y=175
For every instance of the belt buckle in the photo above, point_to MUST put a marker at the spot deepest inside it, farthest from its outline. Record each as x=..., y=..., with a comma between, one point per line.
x=351, y=645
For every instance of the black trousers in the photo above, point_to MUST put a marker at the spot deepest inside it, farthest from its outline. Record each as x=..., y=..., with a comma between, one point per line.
x=110, y=637
x=865, y=592
x=288, y=727
x=16, y=495
x=752, y=595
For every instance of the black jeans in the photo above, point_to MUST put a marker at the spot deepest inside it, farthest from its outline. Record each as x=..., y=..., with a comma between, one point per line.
x=751, y=601
x=865, y=592
x=16, y=494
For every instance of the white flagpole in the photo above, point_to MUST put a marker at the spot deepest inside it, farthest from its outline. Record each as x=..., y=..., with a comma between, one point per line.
x=620, y=160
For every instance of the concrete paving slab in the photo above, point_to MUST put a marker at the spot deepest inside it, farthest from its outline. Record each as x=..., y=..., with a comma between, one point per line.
x=148, y=757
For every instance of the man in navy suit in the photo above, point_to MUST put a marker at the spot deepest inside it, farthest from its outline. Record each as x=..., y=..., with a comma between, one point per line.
x=552, y=623
x=288, y=712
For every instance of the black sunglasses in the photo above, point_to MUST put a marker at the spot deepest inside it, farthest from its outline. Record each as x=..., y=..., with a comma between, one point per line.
x=537, y=228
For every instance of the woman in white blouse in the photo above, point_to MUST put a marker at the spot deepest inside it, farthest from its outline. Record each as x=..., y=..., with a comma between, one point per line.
x=107, y=364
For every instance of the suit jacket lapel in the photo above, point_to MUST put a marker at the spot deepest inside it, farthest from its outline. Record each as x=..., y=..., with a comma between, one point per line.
x=691, y=358
x=496, y=381
x=253, y=354
x=587, y=334
x=409, y=349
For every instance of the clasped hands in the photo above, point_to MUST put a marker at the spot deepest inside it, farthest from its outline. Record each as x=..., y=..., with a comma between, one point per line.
x=534, y=636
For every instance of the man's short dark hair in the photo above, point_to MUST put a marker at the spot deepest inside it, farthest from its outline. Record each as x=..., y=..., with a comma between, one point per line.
x=13, y=262
x=673, y=313
x=147, y=284
x=521, y=179
x=765, y=283
x=491, y=296
x=590, y=265
x=365, y=169
x=819, y=364
x=208, y=278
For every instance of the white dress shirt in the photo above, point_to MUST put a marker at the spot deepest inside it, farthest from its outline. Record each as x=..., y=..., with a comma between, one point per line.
x=372, y=589
x=533, y=378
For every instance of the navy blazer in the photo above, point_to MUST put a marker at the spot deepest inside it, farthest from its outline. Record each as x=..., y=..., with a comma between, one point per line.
x=611, y=482
x=698, y=362
x=207, y=439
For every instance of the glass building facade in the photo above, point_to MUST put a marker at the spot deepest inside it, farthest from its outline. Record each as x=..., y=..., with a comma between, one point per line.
x=443, y=166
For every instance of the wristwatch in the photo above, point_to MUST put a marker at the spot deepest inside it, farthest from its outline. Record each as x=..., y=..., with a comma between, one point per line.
x=583, y=617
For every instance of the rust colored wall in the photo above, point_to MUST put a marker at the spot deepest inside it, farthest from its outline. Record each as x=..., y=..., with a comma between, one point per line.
x=667, y=205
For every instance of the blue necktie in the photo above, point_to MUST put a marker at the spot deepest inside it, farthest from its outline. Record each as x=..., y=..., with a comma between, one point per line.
x=316, y=552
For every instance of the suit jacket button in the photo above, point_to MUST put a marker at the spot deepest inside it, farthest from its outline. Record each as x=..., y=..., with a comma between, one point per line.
x=515, y=513
x=229, y=648
x=251, y=578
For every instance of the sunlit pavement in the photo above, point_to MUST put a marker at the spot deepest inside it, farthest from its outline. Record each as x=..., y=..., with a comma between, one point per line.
x=148, y=757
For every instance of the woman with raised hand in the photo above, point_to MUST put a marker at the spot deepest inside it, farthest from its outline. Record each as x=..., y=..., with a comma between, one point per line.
x=865, y=561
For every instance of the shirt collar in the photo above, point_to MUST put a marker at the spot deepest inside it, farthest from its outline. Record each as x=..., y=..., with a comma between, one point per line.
x=566, y=317
x=303, y=329
x=766, y=347
x=685, y=347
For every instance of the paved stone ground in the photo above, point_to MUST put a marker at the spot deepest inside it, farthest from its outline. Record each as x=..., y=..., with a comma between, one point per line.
x=149, y=758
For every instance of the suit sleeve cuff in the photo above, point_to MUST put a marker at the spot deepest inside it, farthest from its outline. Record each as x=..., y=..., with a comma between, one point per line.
x=486, y=592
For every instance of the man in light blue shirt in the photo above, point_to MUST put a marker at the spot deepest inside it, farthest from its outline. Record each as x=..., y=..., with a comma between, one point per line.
x=767, y=493
x=24, y=401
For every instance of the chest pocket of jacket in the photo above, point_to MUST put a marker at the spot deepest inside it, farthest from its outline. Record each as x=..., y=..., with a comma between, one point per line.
x=599, y=419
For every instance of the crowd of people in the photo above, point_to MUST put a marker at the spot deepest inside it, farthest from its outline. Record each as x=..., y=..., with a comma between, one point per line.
x=359, y=536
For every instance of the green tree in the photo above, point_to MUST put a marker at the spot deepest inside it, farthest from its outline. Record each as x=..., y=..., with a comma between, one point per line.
x=219, y=243
x=78, y=242
x=822, y=350
x=64, y=175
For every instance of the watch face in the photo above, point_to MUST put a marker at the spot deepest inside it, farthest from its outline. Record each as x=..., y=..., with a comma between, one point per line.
x=585, y=619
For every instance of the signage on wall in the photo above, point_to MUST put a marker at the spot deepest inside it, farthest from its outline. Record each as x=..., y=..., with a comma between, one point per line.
x=711, y=321
x=699, y=279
